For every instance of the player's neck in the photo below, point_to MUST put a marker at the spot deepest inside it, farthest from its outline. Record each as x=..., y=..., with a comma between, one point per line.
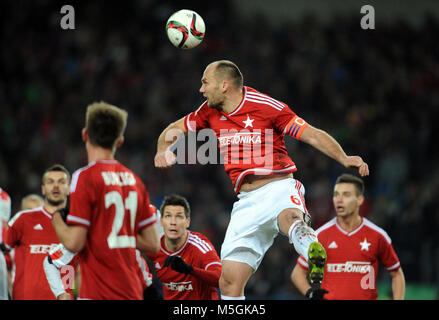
x=232, y=102
x=96, y=153
x=51, y=209
x=174, y=245
x=350, y=223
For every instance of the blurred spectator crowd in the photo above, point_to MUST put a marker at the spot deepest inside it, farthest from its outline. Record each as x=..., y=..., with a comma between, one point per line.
x=376, y=92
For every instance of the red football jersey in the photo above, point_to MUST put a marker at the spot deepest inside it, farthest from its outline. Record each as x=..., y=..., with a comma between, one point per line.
x=32, y=235
x=351, y=269
x=197, y=251
x=251, y=139
x=112, y=202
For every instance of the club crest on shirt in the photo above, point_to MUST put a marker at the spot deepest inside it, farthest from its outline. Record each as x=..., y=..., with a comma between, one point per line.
x=365, y=245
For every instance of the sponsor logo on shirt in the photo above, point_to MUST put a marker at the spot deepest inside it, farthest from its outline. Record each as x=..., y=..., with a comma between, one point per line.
x=240, y=138
x=41, y=248
x=350, y=267
x=179, y=286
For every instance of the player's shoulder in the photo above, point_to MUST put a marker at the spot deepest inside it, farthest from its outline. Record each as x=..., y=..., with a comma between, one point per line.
x=264, y=100
x=26, y=214
x=199, y=242
x=327, y=227
x=80, y=173
x=373, y=228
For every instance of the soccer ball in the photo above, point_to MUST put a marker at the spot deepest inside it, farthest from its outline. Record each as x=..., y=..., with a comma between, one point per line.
x=185, y=29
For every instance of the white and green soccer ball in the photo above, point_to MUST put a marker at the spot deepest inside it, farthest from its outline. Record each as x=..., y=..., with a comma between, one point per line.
x=185, y=29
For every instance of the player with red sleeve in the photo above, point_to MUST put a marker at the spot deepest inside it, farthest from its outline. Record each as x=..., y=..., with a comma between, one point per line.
x=109, y=213
x=187, y=263
x=5, y=214
x=355, y=247
x=250, y=127
x=31, y=234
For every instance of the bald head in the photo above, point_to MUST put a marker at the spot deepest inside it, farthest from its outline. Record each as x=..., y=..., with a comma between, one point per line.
x=227, y=70
x=31, y=201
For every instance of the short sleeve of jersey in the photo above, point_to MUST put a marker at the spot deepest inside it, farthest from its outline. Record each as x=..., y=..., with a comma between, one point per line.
x=289, y=123
x=388, y=255
x=13, y=233
x=198, y=119
x=80, y=200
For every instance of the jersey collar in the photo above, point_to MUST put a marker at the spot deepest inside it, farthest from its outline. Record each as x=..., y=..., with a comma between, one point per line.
x=163, y=248
x=353, y=231
x=244, y=89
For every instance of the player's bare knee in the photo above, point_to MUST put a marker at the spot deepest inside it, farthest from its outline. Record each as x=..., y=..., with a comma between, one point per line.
x=228, y=286
x=223, y=282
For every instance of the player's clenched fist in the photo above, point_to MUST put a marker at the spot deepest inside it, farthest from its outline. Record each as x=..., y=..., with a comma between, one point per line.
x=164, y=159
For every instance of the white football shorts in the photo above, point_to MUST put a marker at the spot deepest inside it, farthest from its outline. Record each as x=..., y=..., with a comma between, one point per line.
x=253, y=222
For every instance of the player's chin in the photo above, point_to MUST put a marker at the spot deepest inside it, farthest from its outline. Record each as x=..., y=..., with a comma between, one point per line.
x=341, y=213
x=56, y=201
x=171, y=234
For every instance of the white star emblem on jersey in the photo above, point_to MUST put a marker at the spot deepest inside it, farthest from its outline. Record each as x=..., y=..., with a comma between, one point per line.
x=248, y=122
x=365, y=245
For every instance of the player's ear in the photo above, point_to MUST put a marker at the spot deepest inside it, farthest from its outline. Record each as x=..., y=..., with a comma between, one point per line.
x=224, y=86
x=119, y=142
x=84, y=135
x=360, y=200
x=188, y=222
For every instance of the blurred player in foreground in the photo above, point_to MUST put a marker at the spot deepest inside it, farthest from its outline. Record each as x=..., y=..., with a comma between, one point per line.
x=31, y=234
x=5, y=214
x=109, y=213
x=187, y=263
x=31, y=201
x=251, y=128
x=60, y=267
x=354, y=246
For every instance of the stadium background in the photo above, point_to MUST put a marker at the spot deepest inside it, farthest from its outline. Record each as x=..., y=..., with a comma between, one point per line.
x=376, y=91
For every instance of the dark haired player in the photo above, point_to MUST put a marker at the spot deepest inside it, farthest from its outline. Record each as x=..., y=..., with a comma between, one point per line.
x=355, y=246
x=187, y=263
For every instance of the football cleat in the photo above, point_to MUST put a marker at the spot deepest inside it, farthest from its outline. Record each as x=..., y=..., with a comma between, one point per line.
x=316, y=262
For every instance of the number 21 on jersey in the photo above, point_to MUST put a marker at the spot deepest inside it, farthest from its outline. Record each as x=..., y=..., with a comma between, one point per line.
x=114, y=198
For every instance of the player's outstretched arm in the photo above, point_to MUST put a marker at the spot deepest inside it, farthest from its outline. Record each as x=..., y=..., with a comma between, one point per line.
x=164, y=157
x=323, y=142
